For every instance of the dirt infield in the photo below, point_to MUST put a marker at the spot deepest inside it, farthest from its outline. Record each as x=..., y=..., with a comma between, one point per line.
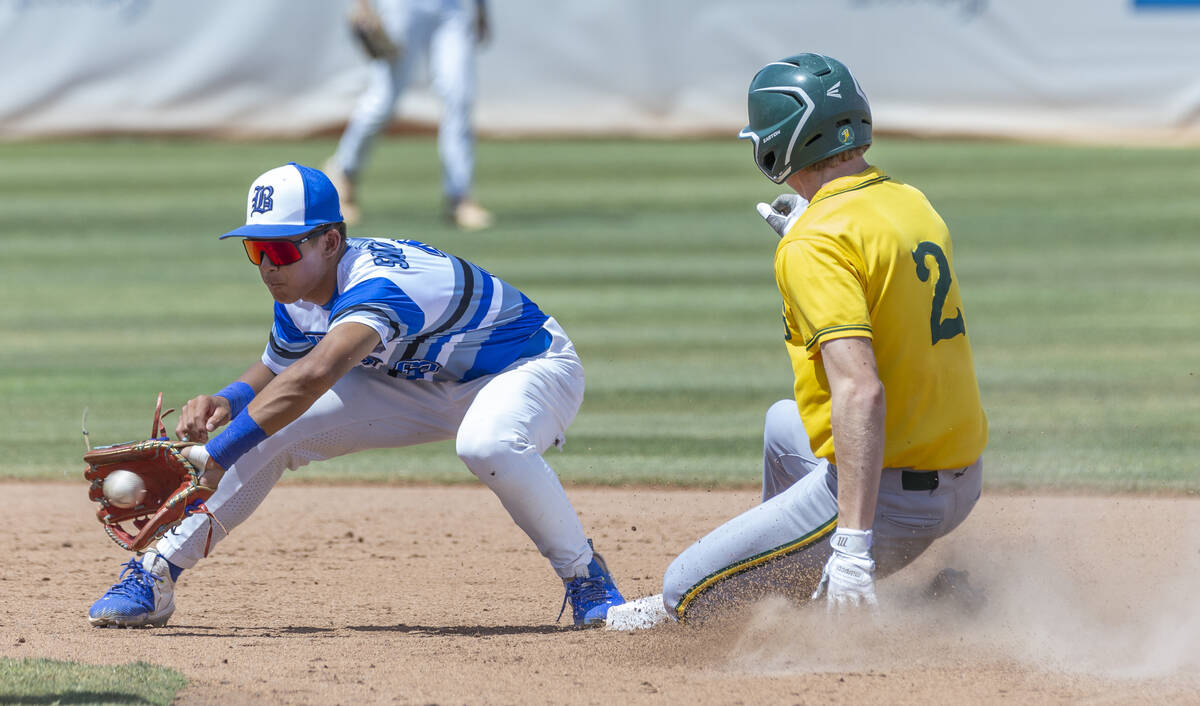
x=431, y=595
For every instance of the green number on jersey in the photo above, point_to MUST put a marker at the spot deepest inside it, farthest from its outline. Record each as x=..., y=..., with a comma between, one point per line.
x=940, y=329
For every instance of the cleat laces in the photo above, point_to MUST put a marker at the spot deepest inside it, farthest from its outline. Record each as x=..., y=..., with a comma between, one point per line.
x=584, y=592
x=137, y=584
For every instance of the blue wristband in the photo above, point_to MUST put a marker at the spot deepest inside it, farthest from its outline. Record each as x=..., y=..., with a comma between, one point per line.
x=242, y=434
x=239, y=395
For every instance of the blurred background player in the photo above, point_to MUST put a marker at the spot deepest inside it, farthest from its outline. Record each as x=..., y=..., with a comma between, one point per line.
x=377, y=343
x=445, y=34
x=880, y=452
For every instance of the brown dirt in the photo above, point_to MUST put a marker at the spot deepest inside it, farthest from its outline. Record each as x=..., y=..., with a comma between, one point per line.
x=431, y=595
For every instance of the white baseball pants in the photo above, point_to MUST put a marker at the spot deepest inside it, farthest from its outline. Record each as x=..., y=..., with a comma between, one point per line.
x=443, y=31
x=782, y=545
x=502, y=423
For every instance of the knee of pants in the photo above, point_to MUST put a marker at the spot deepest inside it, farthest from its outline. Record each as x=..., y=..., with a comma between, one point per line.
x=783, y=428
x=676, y=582
x=786, y=456
x=491, y=457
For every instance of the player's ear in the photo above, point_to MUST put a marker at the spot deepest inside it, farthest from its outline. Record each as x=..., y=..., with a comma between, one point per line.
x=331, y=241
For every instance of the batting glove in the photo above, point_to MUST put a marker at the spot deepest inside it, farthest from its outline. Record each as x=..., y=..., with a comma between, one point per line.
x=848, y=580
x=781, y=213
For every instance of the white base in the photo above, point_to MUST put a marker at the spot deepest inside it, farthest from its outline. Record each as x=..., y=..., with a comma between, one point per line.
x=637, y=615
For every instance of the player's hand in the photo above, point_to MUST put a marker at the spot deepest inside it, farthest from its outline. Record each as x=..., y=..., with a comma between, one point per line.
x=848, y=581
x=200, y=416
x=781, y=213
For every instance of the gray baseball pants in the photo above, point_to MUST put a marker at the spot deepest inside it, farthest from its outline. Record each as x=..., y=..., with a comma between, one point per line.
x=781, y=545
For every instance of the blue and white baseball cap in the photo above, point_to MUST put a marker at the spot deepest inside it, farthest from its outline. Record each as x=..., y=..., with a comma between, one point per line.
x=289, y=201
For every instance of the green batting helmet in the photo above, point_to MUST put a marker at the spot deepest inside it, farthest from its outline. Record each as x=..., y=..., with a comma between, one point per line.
x=803, y=109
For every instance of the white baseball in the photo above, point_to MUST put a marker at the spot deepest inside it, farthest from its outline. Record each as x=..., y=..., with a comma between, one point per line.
x=124, y=489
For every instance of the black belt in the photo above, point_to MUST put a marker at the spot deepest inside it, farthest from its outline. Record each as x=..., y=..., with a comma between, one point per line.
x=919, y=480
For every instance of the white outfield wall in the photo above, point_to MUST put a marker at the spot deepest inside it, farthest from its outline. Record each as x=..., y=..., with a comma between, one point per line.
x=1092, y=70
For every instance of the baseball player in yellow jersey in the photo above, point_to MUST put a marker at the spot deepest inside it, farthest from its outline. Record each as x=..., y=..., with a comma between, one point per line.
x=880, y=452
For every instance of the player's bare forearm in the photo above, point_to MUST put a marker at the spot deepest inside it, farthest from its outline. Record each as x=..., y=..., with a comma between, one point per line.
x=257, y=376
x=858, y=412
x=293, y=391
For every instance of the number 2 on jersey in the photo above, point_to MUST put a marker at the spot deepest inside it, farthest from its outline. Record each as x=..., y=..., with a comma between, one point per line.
x=940, y=329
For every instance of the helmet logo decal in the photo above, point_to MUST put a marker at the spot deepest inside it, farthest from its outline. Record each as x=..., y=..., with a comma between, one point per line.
x=835, y=91
x=845, y=135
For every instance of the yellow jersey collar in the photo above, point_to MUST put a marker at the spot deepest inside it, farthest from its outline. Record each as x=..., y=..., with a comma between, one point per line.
x=867, y=177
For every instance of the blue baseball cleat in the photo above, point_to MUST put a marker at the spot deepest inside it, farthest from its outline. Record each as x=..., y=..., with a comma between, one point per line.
x=144, y=595
x=591, y=596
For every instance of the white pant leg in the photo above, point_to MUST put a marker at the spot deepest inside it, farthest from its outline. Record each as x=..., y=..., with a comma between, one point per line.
x=385, y=82
x=517, y=415
x=410, y=26
x=363, y=410
x=452, y=67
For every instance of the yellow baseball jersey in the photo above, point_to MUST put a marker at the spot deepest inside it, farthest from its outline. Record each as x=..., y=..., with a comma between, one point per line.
x=870, y=257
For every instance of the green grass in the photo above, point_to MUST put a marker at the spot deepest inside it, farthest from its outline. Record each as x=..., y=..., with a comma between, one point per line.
x=47, y=681
x=1080, y=270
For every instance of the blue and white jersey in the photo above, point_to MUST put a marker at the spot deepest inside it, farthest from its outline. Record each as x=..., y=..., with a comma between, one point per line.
x=438, y=316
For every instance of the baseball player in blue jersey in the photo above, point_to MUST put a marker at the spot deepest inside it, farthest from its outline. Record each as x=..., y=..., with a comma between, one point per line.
x=376, y=343
x=446, y=33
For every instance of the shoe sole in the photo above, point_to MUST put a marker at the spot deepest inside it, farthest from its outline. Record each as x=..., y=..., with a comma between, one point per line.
x=146, y=622
x=597, y=620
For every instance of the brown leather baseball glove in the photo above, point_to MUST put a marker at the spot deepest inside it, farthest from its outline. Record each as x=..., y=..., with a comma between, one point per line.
x=172, y=488
x=367, y=28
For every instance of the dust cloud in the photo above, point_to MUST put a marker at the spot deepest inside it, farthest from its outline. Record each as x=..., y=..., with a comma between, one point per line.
x=1066, y=592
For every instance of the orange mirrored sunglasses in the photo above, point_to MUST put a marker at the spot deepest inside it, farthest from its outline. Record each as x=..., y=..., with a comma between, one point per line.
x=279, y=251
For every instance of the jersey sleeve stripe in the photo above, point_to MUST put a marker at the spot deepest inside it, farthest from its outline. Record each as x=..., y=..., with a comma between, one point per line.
x=286, y=342
x=824, y=333
x=396, y=329
x=282, y=354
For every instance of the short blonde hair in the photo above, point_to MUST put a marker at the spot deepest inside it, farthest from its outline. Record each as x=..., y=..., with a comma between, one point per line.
x=834, y=160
